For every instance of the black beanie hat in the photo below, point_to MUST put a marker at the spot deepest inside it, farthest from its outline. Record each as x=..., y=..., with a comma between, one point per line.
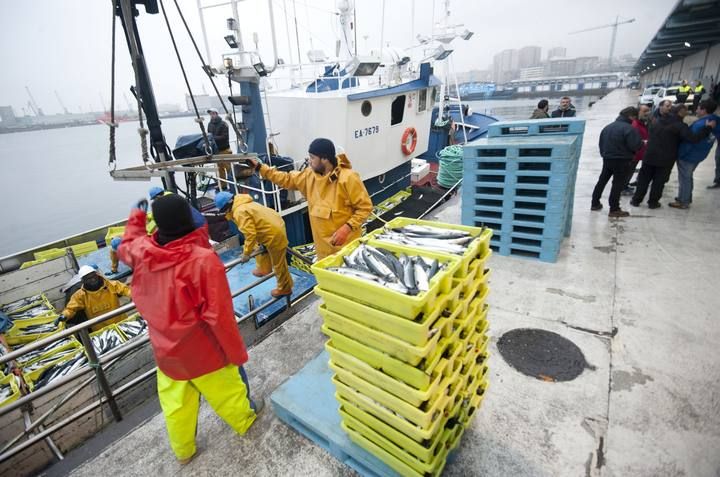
x=323, y=148
x=173, y=218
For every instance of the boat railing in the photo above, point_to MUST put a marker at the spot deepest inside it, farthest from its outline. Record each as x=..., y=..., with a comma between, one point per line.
x=35, y=431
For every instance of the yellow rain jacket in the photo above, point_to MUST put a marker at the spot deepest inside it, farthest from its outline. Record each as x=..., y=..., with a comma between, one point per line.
x=262, y=226
x=95, y=303
x=333, y=200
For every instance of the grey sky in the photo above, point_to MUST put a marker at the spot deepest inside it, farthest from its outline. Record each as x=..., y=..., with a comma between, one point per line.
x=65, y=45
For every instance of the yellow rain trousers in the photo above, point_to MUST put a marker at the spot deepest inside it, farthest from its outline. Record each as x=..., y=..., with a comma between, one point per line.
x=334, y=199
x=96, y=303
x=261, y=225
x=180, y=402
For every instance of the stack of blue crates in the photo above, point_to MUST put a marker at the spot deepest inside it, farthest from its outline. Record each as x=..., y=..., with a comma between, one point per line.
x=520, y=182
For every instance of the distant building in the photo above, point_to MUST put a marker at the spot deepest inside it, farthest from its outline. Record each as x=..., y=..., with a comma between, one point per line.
x=505, y=66
x=204, y=102
x=561, y=67
x=586, y=64
x=557, y=52
x=475, y=76
x=532, y=72
x=7, y=115
x=529, y=56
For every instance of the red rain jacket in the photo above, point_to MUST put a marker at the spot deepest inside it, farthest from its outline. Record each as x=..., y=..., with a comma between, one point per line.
x=642, y=129
x=182, y=292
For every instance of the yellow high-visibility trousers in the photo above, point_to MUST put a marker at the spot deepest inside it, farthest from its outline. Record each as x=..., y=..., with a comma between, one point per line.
x=180, y=401
x=276, y=259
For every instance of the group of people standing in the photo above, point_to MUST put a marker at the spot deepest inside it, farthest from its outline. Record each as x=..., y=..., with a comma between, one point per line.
x=564, y=110
x=658, y=142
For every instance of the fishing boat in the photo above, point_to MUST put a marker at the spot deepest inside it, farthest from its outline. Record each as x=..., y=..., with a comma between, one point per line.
x=382, y=111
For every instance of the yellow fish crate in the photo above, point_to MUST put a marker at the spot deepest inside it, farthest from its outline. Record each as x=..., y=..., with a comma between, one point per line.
x=380, y=297
x=478, y=249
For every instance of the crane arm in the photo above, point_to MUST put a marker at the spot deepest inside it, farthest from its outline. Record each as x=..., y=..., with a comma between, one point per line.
x=602, y=27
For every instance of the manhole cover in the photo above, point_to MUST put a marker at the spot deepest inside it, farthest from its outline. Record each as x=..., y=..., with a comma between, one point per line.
x=542, y=354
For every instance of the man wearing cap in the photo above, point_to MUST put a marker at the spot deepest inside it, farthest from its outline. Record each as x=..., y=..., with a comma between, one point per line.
x=219, y=129
x=97, y=296
x=338, y=203
x=260, y=225
x=180, y=289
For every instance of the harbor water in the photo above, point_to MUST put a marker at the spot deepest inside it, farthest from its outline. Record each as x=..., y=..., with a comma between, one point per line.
x=56, y=181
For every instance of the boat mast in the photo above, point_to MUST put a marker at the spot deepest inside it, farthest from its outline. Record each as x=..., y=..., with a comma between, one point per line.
x=125, y=9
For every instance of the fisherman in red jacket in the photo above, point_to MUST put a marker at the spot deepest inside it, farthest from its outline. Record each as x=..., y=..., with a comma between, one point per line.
x=180, y=288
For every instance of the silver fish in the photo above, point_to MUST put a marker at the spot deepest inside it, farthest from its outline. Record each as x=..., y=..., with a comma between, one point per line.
x=421, y=277
x=370, y=277
x=377, y=266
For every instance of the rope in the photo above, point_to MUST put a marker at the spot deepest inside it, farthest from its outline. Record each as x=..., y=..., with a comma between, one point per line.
x=208, y=149
x=111, y=158
x=208, y=71
x=451, y=166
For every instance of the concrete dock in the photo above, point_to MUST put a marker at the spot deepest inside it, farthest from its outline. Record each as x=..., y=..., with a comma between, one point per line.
x=637, y=295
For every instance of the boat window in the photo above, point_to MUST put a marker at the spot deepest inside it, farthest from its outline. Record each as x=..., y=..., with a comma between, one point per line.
x=422, y=100
x=434, y=96
x=366, y=108
x=397, y=110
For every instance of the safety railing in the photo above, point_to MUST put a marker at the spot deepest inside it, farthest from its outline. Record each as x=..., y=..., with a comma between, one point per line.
x=98, y=365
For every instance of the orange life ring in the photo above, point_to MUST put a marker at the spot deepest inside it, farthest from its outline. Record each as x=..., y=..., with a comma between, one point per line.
x=408, y=146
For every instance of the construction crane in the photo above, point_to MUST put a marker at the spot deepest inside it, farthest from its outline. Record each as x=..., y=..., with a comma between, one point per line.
x=65, y=110
x=614, y=26
x=33, y=105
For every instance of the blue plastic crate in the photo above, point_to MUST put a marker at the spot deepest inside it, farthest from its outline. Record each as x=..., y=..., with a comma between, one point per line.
x=541, y=147
x=538, y=127
x=518, y=165
x=546, y=252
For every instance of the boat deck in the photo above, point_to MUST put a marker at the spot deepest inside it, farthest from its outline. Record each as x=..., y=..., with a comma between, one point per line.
x=638, y=297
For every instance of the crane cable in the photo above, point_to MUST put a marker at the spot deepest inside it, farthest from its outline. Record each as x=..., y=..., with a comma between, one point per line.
x=112, y=163
x=198, y=118
x=242, y=145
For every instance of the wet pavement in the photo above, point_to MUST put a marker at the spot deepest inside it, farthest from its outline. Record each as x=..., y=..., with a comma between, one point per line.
x=638, y=297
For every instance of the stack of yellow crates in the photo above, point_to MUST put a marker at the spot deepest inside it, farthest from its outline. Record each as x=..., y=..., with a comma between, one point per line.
x=409, y=371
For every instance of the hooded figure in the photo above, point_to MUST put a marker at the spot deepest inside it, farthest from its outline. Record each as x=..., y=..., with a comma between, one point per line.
x=338, y=203
x=97, y=296
x=180, y=289
x=260, y=225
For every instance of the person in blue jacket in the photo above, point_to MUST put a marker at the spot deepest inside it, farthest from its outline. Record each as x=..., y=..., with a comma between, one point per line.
x=691, y=155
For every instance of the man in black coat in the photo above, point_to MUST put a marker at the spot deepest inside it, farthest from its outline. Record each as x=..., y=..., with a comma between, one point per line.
x=665, y=135
x=565, y=110
x=619, y=142
x=219, y=129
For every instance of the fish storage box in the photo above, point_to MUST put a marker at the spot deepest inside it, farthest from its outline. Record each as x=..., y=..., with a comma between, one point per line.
x=477, y=249
x=106, y=339
x=379, y=296
x=424, y=451
x=32, y=377
x=418, y=170
x=19, y=306
x=9, y=390
x=113, y=232
x=21, y=330
x=383, y=342
x=43, y=353
x=414, y=331
x=394, y=386
x=130, y=325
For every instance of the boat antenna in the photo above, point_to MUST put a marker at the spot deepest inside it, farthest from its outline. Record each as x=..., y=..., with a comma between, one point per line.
x=209, y=72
